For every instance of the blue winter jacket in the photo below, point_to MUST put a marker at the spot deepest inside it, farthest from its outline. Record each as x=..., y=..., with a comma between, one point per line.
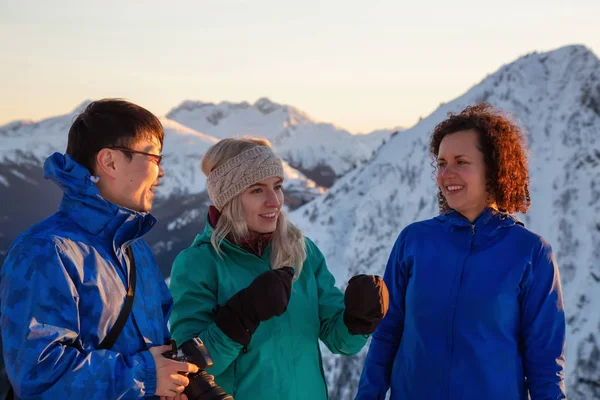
x=62, y=287
x=476, y=312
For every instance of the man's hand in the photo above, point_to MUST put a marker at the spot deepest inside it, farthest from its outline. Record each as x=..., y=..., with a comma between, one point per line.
x=180, y=396
x=169, y=381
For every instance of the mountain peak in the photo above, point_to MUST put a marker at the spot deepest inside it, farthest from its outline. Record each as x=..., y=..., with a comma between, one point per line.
x=16, y=126
x=266, y=106
x=294, y=116
x=192, y=105
x=570, y=50
x=559, y=64
x=214, y=114
x=530, y=82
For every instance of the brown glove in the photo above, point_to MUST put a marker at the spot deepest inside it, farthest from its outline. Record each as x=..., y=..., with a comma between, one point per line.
x=367, y=302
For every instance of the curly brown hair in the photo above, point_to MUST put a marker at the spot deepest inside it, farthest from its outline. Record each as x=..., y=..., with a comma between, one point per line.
x=504, y=151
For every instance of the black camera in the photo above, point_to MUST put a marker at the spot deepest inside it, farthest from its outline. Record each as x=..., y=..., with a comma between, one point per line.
x=202, y=386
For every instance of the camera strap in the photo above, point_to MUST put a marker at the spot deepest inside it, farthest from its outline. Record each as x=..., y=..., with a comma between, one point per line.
x=112, y=336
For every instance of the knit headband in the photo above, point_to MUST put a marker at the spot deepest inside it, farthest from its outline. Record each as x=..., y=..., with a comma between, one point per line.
x=240, y=172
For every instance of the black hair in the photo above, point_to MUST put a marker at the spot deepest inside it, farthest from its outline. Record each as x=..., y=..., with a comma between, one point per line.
x=108, y=123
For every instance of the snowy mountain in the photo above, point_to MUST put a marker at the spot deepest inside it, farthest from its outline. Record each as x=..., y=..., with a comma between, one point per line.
x=555, y=96
x=183, y=150
x=28, y=142
x=32, y=142
x=181, y=199
x=322, y=151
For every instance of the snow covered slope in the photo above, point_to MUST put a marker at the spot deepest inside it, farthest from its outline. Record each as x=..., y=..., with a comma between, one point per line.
x=181, y=205
x=555, y=96
x=25, y=142
x=306, y=144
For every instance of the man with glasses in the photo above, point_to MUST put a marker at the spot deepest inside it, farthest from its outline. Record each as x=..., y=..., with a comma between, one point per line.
x=84, y=308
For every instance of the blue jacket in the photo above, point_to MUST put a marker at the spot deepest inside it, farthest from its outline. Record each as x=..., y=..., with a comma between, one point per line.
x=62, y=286
x=476, y=312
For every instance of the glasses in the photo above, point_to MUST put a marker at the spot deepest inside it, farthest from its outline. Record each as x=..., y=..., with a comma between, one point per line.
x=156, y=157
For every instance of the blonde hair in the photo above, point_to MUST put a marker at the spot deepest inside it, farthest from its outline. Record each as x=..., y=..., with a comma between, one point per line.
x=287, y=241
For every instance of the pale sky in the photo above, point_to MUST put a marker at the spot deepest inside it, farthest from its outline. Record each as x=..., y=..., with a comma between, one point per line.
x=361, y=65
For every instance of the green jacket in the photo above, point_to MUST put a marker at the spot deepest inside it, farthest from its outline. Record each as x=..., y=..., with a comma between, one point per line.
x=283, y=360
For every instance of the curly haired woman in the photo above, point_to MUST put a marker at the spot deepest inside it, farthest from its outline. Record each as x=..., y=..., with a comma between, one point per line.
x=476, y=308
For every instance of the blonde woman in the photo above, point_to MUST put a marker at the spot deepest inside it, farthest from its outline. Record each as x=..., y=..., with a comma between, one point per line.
x=257, y=292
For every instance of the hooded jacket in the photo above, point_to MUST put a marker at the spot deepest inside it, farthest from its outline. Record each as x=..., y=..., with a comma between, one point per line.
x=62, y=287
x=476, y=312
x=283, y=359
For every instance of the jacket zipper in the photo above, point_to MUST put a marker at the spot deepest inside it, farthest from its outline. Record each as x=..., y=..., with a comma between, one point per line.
x=235, y=377
x=472, y=241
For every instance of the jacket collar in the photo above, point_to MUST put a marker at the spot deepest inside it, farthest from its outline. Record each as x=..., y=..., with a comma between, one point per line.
x=83, y=203
x=204, y=238
x=255, y=244
x=487, y=222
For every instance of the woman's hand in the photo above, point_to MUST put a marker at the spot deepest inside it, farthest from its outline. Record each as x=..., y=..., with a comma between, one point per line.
x=367, y=302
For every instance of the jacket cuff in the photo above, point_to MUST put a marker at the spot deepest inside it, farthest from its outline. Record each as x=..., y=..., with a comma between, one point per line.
x=360, y=326
x=149, y=373
x=352, y=343
x=235, y=325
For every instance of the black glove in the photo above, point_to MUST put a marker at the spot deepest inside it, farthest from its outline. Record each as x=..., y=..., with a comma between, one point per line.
x=267, y=296
x=366, y=301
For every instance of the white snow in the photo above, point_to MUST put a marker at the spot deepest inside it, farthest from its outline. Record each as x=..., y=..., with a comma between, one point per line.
x=299, y=139
x=32, y=143
x=20, y=175
x=185, y=219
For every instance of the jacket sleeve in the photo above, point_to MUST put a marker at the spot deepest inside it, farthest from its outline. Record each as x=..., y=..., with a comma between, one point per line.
x=333, y=331
x=543, y=328
x=194, y=289
x=40, y=329
x=167, y=304
x=376, y=374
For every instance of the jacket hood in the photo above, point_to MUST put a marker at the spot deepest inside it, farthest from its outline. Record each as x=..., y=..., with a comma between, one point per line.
x=84, y=204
